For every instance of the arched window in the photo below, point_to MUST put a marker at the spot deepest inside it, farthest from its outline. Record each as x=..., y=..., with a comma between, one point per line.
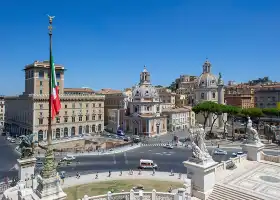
x=99, y=127
x=73, y=130
x=40, y=135
x=80, y=130
x=57, y=133
x=202, y=95
x=93, y=128
x=213, y=95
x=65, y=132
x=87, y=128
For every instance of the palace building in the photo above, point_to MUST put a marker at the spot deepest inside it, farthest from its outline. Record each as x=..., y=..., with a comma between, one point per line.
x=82, y=111
x=143, y=115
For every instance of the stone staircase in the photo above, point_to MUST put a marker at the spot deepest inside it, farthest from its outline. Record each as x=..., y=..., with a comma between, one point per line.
x=221, y=192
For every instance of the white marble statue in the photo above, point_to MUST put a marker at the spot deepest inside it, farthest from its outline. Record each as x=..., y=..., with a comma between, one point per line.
x=199, y=149
x=253, y=136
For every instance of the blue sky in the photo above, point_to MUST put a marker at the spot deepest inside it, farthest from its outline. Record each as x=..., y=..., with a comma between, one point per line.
x=107, y=42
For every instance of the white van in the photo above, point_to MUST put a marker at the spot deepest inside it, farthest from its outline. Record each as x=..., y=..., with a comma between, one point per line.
x=147, y=164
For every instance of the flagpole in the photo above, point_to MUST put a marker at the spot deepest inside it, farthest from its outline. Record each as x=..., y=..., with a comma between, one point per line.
x=49, y=134
x=49, y=169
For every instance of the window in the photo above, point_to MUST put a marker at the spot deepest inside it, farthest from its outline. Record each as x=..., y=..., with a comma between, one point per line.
x=100, y=105
x=86, y=105
x=202, y=96
x=57, y=120
x=41, y=121
x=80, y=118
x=81, y=105
x=73, y=105
x=41, y=91
x=93, y=105
x=32, y=73
x=57, y=83
x=41, y=74
x=41, y=83
x=65, y=106
x=213, y=95
x=93, y=117
x=65, y=113
x=73, y=112
x=157, y=108
x=99, y=117
x=73, y=119
x=57, y=75
x=41, y=106
x=65, y=119
x=87, y=117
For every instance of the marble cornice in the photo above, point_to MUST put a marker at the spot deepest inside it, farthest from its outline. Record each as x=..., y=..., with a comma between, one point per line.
x=68, y=97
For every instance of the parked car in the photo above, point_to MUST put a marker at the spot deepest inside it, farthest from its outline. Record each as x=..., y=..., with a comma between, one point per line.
x=12, y=141
x=168, y=146
x=69, y=158
x=220, y=152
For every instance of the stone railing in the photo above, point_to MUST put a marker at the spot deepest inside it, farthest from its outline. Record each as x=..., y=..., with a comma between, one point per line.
x=140, y=195
x=270, y=158
x=223, y=166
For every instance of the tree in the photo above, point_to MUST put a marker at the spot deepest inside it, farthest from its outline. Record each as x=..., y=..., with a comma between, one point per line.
x=172, y=86
x=232, y=112
x=159, y=86
x=215, y=109
x=204, y=108
x=255, y=113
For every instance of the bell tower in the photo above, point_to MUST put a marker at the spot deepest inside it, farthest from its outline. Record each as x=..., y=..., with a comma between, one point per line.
x=206, y=67
x=145, y=78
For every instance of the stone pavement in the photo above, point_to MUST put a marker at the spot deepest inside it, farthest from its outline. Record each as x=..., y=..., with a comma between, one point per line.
x=261, y=180
x=91, y=178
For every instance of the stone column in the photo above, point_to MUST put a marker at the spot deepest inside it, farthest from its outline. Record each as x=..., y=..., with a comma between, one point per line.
x=221, y=101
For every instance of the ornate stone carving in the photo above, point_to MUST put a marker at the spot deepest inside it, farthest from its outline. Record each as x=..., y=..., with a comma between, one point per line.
x=199, y=150
x=26, y=146
x=253, y=136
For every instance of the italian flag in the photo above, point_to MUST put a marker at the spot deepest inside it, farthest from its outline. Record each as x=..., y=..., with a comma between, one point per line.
x=55, y=97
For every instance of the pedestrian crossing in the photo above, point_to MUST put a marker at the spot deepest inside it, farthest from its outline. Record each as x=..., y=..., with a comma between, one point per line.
x=155, y=145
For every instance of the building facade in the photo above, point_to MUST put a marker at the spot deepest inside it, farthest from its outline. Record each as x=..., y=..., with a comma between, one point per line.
x=82, y=111
x=2, y=114
x=241, y=95
x=210, y=88
x=185, y=85
x=114, y=99
x=267, y=96
x=167, y=97
x=143, y=115
x=178, y=118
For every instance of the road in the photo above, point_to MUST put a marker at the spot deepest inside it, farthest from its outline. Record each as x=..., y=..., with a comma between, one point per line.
x=166, y=159
x=8, y=158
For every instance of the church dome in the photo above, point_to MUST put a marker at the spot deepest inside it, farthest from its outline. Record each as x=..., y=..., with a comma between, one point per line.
x=148, y=92
x=207, y=79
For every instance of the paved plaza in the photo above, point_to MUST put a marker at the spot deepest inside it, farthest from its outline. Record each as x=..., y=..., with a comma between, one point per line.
x=258, y=179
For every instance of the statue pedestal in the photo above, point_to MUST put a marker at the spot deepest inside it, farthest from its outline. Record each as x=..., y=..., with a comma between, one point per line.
x=253, y=151
x=26, y=168
x=49, y=189
x=202, y=175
